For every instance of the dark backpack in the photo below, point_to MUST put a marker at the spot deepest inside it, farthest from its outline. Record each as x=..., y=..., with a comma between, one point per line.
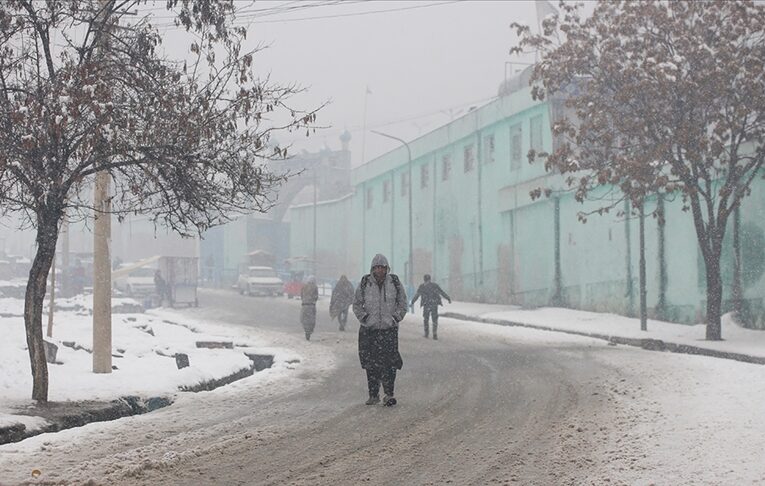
x=393, y=276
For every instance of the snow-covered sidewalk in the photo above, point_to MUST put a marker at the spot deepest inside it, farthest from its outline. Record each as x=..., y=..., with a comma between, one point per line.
x=738, y=343
x=144, y=350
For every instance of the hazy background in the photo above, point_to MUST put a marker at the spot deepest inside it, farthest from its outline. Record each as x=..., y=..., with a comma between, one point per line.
x=423, y=62
x=417, y=64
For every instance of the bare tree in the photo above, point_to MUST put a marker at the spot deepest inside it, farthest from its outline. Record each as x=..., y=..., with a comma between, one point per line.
x=667, y=97
x=186, y=140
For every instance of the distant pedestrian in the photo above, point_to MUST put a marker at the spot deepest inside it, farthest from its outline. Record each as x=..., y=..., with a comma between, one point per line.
x=430, y=294
x=379, y=305
x=342, y=298
x=309, y=294
x=160, y=287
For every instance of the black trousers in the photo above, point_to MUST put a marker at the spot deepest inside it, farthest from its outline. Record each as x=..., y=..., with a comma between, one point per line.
x=432, y=313
x=386, y=376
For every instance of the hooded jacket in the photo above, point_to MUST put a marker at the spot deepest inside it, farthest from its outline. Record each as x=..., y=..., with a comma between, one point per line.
x=342, y=297
x=379, y=306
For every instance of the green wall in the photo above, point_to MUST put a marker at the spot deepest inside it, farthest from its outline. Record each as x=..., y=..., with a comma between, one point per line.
x=479, y=234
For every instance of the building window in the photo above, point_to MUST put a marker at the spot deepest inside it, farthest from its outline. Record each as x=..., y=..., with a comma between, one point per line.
x=424, y=175
x=369, y=198
x=446, y=167
x=386, y=191
x=516, y=146
x=488, y=149
x=469, y=158
x=535, y=133
x=404, y=183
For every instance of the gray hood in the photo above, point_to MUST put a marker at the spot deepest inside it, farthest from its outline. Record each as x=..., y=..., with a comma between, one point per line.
x=379, y=259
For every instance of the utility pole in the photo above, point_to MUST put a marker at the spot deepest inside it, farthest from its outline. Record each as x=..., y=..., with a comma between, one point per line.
x=102, y=269
x=52, y=296
x=479, y=168
x=66, y=272
x=315, y=182
x=409, y=191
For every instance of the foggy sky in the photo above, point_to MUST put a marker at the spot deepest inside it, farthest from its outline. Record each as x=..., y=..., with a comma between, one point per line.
x=415, y=62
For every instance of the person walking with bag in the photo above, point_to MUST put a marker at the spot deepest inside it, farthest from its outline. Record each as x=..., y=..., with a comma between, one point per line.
x=309, y=294
x=430, y=294
x=342, y=298
x=379, y=305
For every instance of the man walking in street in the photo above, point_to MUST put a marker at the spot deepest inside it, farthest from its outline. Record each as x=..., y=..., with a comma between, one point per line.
x=379, y=305
x=430, y=294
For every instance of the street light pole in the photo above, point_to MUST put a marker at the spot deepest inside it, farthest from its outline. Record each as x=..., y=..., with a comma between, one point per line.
x=409, y=191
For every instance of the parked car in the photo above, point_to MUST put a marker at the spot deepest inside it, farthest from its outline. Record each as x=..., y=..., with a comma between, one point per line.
x=293, y=285
x=260, y=281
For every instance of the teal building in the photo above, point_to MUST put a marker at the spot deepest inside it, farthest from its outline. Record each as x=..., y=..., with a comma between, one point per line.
x=477, y=231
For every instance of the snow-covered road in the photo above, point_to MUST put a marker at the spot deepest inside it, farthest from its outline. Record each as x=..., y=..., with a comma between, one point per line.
x=485, y=404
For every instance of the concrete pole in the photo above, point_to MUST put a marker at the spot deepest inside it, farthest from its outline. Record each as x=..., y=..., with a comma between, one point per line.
x=102, y=268
x=102, y=278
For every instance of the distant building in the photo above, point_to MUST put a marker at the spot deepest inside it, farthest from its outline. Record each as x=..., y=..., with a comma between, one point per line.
x=323, y=175
x=477, y=231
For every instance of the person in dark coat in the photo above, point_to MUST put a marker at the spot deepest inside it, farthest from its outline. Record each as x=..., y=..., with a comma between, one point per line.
x=309, y=294
x=430, y=294
x=342, y=298
x=379, y=305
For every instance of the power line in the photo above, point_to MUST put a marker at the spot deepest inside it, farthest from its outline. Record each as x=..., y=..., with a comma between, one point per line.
x=356, y=14
x=249, y=18
x=245, y=14
x=287, y=8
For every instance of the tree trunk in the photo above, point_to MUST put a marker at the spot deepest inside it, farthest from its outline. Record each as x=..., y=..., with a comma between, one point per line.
x=737, y=292
x=47, y=232
x=714, y=291
x=661, y=305
x=709, y=236
x=643, y=303
x=628, y=240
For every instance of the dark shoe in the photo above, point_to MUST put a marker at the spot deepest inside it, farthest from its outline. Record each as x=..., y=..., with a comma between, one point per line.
x=307, y=337
x=388, y=401
x=435, y=337
x=373, y=400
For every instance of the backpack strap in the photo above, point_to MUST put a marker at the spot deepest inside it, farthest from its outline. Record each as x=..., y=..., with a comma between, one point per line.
x=393, y=277
x=364, y=282
x=396, y=283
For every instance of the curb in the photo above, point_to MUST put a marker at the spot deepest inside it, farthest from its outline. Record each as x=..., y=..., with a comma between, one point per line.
x=93, y=412
x=125, y=406
x=650, y=344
